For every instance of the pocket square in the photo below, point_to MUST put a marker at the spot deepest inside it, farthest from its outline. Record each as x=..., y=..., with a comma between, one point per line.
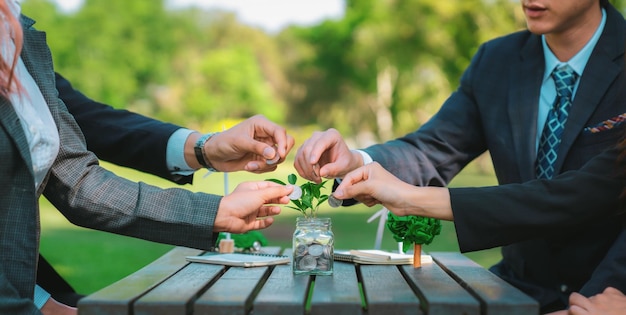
x=607, y=124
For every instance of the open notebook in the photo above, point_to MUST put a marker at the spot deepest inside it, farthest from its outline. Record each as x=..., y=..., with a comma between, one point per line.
x=240, y=259
x=377, y=257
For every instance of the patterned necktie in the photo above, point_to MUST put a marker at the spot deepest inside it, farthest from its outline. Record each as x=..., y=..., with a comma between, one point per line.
x=564, y=79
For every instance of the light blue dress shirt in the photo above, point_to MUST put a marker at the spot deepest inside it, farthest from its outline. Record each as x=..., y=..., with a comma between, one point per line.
x=175, y=153
x=41, y=296
x=547, y=95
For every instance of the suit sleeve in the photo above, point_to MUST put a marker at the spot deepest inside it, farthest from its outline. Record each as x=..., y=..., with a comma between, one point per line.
x=119, y=136
x=10, y=300
x=93, y=197
x=487, y=217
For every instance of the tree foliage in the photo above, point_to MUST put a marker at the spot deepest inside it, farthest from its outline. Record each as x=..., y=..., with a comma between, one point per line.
x=378, y=72
x=389, y=64
x=188, y=66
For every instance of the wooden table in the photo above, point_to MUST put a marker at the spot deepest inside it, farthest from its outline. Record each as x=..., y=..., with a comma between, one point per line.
x=452, y=284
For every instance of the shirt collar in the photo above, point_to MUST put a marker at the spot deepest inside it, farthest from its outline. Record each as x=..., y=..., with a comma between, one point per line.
x=579, y=61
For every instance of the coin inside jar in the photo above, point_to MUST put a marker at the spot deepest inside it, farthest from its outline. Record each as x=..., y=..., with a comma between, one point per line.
x=296, y=193
x=307, y=262
x=322, y=264
x=316, y=250
x=334, y=202
x=301, y=250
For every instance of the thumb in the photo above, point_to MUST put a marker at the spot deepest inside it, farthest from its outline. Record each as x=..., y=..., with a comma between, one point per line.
x=331, y=170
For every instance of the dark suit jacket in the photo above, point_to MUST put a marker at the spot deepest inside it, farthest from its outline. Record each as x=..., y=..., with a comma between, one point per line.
x=571, y=200
x=495, y=109
x=538, y=206
x=120, y=136
x=85, y=193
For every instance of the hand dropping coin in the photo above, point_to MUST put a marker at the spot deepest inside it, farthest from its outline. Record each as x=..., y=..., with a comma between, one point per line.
x=334, y=202
x=296, y=193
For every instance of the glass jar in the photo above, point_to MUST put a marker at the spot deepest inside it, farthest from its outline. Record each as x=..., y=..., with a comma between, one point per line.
x=313, y=244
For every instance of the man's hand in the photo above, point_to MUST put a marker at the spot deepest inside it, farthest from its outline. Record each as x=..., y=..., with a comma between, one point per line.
x=256, y=145
x=609, y=302
x=325, y=155
x=52, y=307
x=249, y=206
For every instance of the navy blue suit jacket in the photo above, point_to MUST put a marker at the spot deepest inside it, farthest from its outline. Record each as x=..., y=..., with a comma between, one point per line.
x=537, y=208
x=119, y=136
x=495, y=109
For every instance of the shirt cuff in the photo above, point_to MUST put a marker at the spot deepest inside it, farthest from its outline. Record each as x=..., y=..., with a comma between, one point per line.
x=175, y=153
x=367, y=159
x=41, y=296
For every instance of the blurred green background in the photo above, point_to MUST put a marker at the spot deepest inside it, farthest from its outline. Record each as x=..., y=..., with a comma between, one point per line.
x=377, y=73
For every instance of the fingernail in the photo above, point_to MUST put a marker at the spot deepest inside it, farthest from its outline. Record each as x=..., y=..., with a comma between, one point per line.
x=338, y=193
x=253, y=167
x=269, y=153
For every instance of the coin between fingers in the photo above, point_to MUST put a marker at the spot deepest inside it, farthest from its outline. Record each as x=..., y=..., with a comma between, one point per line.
x=334, y=202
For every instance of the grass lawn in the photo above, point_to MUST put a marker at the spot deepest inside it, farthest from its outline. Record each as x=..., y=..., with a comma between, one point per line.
x=90, y=260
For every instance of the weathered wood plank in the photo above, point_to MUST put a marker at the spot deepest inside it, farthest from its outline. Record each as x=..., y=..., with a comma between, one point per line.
x=338, y=294
x=440, y=294
x=283, y=292
x=496, y=295
x=233, y=292
x=386, y=291
x=176, y=294
x=117, y=298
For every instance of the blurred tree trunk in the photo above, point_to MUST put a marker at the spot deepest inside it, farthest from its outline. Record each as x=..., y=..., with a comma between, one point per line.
x=385, y=81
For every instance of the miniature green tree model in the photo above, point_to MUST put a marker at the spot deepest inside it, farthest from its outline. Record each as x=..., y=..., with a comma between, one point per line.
x=413, y=230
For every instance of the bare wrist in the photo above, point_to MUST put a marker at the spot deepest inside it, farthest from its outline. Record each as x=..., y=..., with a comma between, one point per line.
x=433, y=202
x=54, y=307
x=189, y=153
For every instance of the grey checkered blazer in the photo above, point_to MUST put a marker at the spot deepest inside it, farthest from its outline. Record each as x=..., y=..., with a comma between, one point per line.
x=84, y=192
